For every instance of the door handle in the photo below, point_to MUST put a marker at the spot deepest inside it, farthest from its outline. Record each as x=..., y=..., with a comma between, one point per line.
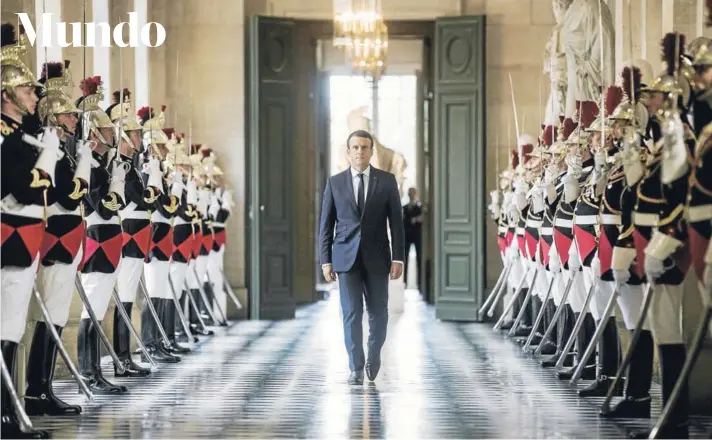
x=262, y=208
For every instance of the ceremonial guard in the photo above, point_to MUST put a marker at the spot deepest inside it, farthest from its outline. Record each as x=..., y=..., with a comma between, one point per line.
x=136, y=227
x=660, y=227
x=62, y=241
x=164, y=206
x=630, y=121
x=102, y=249
x=553, y=190
x=178, y=160
x=220, y=208
x=28, y=169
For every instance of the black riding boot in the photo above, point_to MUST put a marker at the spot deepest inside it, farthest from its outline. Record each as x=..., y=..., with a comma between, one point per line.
x=524, y=327
x=195, y=324
x=181, y=336
x=168, y=317
x=122, y=346
x=582, y=340
x=636, y=404
x=39, y=396
x=672, y=358
x=609, y=359
x=10, y=423
x=151, y=336
x=564, y=327
x=88, y=352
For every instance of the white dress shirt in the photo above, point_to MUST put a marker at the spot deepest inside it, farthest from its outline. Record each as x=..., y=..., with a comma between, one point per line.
x=356, y=181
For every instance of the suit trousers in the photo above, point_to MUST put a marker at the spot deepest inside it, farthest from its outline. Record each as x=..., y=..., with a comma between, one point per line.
x=355, y=285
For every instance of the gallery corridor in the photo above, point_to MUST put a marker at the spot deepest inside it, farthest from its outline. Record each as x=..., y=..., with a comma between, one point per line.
x=288, y=379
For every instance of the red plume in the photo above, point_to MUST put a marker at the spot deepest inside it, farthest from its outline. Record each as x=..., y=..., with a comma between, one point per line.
x=51, y=70
x=180, y=136
x=614, y=96
x=515, y=159
x=669, y=52
x=90, y=86
x=7, y=34
x=632, y=89
x=195, y=148
x=127, y=93
x=163, y=108
x=708, y=4
x=169, y=131
x=206, y=152
x=144, y=114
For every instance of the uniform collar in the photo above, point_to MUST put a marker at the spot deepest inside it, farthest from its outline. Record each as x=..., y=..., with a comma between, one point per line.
x=366, y=172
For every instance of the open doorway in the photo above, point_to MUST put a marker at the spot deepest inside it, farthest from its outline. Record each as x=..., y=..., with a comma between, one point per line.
x=388, y=109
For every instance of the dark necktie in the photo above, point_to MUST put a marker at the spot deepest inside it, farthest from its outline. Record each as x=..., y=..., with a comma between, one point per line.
x=361, y=194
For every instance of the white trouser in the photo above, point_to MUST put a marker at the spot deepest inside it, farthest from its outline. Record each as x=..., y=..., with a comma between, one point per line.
x=665, y=313
x=200, y=266
x=541, y=285
x=597, y=298
x=215, y=271
x=57, y=287
x=17, y=284
x=98, y=287
x=601, y=297
x=579, y=289
x=157, y=279
x=178, y=272
x=630, y=301
x=130, y=270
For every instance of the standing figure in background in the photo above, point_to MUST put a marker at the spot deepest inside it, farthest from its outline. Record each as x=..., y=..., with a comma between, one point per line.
x=413, y=224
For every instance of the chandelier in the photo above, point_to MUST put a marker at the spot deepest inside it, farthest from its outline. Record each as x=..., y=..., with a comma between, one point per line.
x=359, y=28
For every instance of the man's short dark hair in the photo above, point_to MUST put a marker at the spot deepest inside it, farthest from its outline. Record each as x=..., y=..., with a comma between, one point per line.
x=361, y=134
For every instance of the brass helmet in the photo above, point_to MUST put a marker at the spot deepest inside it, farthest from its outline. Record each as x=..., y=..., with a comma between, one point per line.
x=122, y=115
x=177, y=156
x=613, y=98
x=152, y=126
x=675, y=80
x=699, y=51
x=93, y=117
x=55, y=76
x=14, y=71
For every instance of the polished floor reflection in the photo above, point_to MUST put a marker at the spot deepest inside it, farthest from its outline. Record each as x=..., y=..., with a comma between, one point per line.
x=288, y=379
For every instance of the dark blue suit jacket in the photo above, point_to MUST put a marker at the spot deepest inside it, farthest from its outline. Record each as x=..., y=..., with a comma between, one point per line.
x=339, y=211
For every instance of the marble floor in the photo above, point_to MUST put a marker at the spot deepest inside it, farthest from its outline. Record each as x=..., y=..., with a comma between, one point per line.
x=288, y=379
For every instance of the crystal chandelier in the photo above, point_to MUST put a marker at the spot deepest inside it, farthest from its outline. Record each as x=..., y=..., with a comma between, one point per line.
x=360, y=29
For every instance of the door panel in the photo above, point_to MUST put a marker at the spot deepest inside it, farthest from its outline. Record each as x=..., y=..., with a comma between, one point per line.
x=271, y=117
x=459, y=193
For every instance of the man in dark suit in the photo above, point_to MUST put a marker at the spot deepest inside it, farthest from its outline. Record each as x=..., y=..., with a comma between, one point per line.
x=412, y=223
x=360, y=203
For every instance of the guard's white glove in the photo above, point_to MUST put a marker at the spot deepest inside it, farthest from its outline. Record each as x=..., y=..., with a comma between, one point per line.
x=177, y=185
x=118, y=179
x=219, y=192
x=49, y=153
x=654, y=268
x=84, y=161
x=192, y=195
x=537, y=253
x=537, y=195
x=155, y=175
x=520, y=193
x=572, y=189
x=214, y=205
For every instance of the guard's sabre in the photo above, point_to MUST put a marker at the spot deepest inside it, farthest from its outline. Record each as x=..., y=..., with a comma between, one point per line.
x=154, y=314
x=127, y=320
x=594, y=340
x=229, y=290
x=97, y=325
x=25, y=423
x=516, y=120
x=539, y=316
x=60, y=346
x=502, y=291
x=495, y=289
x=577, y=328
x=516, y=295
x=606, y=405
x=205, y=298
x=179, y=310
x=189, y=294
x=558, y=312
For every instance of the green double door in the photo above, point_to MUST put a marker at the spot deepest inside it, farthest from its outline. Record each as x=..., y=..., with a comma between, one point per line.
x=458, y=153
